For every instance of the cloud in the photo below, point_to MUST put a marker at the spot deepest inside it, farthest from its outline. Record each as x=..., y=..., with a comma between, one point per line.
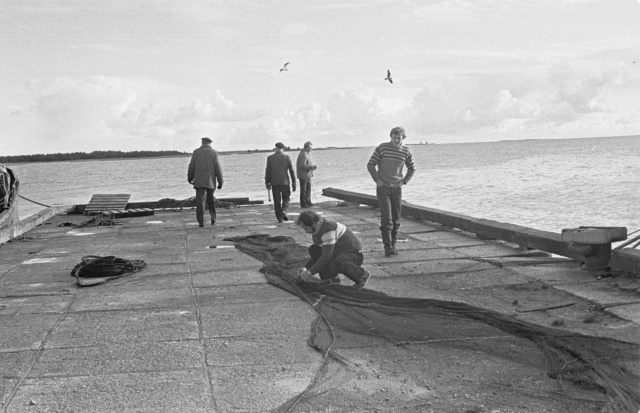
x=99, y=112
x=565, y=96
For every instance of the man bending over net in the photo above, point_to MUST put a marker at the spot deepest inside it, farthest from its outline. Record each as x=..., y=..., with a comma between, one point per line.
x=335, y=250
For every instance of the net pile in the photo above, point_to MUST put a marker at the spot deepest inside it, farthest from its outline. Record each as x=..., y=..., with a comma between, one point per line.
x=384, y=353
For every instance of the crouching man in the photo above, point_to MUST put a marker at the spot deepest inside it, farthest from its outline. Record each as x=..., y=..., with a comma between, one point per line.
x=335, y=250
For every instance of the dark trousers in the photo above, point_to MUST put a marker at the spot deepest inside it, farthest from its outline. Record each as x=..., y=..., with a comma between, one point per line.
x=281, y=194
x=390, y=203
x=348, y=264
x=204, y=199
x=305, y=192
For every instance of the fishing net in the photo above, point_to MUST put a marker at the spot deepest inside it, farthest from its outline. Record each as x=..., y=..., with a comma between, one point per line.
x=383, y=353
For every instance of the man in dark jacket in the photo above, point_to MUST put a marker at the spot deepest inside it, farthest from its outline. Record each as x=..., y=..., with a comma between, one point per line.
x=204, y=171
x=277, y=180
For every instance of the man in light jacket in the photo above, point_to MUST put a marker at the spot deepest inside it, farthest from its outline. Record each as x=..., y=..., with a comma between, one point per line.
x=204, y=171
x=304, y=170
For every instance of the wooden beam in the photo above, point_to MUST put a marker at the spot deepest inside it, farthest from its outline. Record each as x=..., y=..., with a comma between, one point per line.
x=595, y=256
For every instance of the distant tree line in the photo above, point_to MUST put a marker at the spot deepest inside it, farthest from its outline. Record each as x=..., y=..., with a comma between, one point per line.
x=77, y=156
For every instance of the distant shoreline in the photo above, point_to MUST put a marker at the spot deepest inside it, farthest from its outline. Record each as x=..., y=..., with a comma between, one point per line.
x=85, y=157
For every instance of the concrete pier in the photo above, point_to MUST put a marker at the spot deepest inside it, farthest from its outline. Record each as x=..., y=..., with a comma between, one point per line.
x=200, y=329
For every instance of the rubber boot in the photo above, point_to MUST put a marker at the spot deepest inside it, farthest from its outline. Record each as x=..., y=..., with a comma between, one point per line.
x=394, y=234
x=355, y=273
x=386, y=240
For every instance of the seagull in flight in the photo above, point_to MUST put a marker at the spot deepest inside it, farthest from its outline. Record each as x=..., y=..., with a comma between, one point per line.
x=388, y=76
x=284, y=69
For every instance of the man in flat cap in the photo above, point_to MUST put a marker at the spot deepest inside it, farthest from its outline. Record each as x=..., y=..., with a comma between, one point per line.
x=276, y=179
x=203, y=173
x=304, y=169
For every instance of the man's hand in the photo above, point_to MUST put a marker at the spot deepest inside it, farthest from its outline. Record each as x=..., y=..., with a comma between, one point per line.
x=379, y=183
x=268, y=186
x=313, y=168
x=303, y=274
x=219, y=186
x=190, y=181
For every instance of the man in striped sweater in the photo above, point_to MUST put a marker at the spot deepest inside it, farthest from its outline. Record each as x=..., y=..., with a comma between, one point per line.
x=386, y=168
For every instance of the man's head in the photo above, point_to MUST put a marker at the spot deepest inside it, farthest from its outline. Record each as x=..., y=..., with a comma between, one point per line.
x=308, y=146
x=308, y=220
x=206, y=140
x=280, y=146
x=397, y=136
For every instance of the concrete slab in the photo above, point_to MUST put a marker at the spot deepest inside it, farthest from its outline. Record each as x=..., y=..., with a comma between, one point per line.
x=117, y=358
x=35, y=304
x=103, y=299
x=245, y=293
x=591, y=292
x=231, y=277
x=117, y=327
x=628, y=312
x=259, y=388
x=15, y=364
x=37, y=289
x=185, y=391
x=40, y=273
x=419, y=255
x=434, y=266
x=246, y=319
x=25, y=332
x=459, y=280
x=484, y=250
x=275, y=349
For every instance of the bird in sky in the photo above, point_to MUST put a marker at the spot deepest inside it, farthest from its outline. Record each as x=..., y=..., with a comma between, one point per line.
x=388, y=76
x=284, y=69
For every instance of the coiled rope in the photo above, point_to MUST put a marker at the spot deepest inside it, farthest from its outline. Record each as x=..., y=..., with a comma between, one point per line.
x=103, y=269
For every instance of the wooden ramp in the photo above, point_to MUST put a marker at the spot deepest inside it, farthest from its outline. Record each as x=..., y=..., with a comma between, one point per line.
x=115, y=205
x=106, y=202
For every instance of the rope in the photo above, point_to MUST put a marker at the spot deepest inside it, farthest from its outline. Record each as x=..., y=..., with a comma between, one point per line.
x=628, y=242
x=104, y=269
x=31, y=200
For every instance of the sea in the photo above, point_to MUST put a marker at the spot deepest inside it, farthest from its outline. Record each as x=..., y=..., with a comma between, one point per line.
x=545, y=184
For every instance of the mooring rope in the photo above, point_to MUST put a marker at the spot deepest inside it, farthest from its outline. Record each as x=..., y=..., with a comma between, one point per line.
x=31, y=200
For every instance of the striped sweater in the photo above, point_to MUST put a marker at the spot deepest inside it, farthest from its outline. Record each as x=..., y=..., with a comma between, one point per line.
x=390, y=161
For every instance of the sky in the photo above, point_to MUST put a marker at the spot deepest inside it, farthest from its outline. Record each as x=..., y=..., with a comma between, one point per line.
x=129, y=75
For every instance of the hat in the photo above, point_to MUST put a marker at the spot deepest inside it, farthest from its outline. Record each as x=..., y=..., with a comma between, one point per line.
x=280, y=145
x=206, y=140
x=307, y=144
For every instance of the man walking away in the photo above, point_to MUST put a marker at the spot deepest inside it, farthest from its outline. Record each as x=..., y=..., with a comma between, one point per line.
x=276, y=179
x=389, y=158
x=203, y=173
x=304, y=169
x=335, y=250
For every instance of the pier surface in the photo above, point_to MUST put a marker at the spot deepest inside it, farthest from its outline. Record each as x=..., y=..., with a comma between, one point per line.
x=201, y=330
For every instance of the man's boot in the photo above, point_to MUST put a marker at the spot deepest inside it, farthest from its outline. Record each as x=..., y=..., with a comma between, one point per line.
x=394, y=234
x=389, y=250
x=357, y=274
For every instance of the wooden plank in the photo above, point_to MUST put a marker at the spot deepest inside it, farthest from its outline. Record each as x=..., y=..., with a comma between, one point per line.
x=107, y=202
